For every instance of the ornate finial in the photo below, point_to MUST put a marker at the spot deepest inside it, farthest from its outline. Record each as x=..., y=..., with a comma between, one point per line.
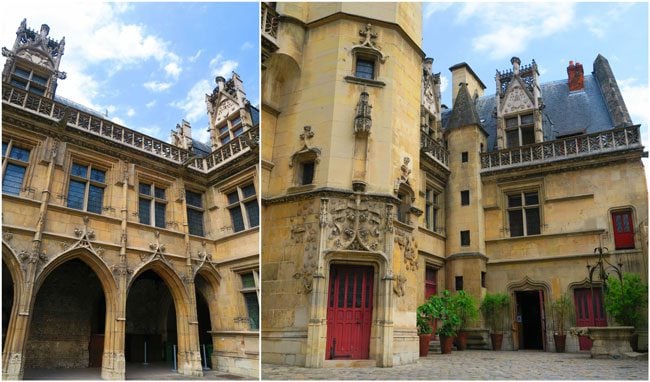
x=363, y=120
x=516, y=62
x=368, y=37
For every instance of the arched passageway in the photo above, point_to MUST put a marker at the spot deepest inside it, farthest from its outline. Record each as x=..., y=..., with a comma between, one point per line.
x=68, y=320
x=204, y=319
x=7, y=300
x=151, y=324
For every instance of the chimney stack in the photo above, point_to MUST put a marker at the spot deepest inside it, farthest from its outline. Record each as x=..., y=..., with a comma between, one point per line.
x=576, y=76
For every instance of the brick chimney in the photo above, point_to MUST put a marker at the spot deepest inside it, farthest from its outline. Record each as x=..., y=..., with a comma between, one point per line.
x=576, y=76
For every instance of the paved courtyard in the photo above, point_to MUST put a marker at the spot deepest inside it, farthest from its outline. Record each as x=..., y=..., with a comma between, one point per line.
x=154, y=371
x=482, y=365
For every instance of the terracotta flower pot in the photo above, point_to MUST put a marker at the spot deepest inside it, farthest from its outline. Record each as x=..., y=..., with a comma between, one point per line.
x=560, y=342
x=497, y=340
x=445, y=344
x=461, y=344
x=424, y=344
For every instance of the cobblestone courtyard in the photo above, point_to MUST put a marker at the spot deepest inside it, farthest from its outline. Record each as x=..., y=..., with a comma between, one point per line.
x=481, y=365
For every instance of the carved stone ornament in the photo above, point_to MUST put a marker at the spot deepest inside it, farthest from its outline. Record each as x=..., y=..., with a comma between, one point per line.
x=405, y=172
x=399, y=285
x=357, y=224
x=408, y=246
x=363, y=120
x=158, y=251
x=86, y=236
x=204, y=258
x=7, y=236
x=121, y=269
x=307, y=150
x=304, y=231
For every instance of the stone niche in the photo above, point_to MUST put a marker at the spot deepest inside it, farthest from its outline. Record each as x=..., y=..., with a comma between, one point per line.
x=69, y=309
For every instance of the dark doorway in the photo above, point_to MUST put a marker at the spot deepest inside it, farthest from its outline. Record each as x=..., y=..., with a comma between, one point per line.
x=205, y=327
x=7, y=300
x=150, y=321
x=529, y=316
x=67, y=320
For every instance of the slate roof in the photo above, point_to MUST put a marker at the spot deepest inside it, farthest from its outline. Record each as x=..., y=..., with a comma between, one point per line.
x=465, y=114
x=200, y=149
x=565, y=113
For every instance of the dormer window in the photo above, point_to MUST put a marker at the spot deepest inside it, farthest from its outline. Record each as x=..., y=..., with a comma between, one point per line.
x=520, y=130
x=365, y=68
x=230, y=130
x=28, y=80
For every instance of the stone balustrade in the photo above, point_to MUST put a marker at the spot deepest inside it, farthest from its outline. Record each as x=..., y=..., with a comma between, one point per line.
x=434, y=149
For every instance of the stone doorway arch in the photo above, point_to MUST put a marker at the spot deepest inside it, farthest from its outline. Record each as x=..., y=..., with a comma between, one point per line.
x=12, y=344
x=523, y=290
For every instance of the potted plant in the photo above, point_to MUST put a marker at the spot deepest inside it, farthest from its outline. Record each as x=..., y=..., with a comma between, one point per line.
x=561, y=309
x=444, y=309
x=495, y=308
x=626, y=303
x=424, y=316
x=467, y=311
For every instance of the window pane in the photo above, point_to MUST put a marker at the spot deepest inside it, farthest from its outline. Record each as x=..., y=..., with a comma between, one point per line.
x=22, y=73
x=18, y=83
x=532, y=221
x=233, y=197
x=144, y=211
x=235, y=122
x=252, y=210
x=36, y=90
x=531, y=198
x=39, y=79
x=19, y=154
x=4, y=148
x=76, y=194
x=514, y=200
x=238, y=132
x=95, y=199
x=193, y=199
x=512, y=136
x=511, y=123
x=160, y=193
x=307, y=172
x=527, y=119
x=145, y=189
x=527, y=135
x=225, y=139
x=98, y=175
x=516, y=223
x=253, y=310
x=464, y=238
x=160, y=215
x=248, y=190
x=79, y=170
x=237, y=219
x=365, y=69
x=13, y=179
x=195, y=222
x=247, y=280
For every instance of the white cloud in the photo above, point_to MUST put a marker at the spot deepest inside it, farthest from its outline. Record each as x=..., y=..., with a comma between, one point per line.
x=196, y=56
x=194, y=102
x=637, y=100
x=599, y=23
x=431, y=8
x=506, y=29
x=173, y=70
x=156, y=86
x=245, y=46
x=222, y=67
x=444, y=83
x=151, y=104
x=130, y=112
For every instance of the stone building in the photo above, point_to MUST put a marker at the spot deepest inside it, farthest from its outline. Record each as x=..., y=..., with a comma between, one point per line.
x=376, y=196
x=116, y=244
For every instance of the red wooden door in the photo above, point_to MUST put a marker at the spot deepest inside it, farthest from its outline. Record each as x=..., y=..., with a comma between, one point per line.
x=349, y=312
x=623, y=229
x=589, y=311
x=431, y=283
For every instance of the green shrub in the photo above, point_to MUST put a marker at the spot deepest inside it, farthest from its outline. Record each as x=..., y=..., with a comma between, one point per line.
x=626, y=305
x=444, y=309
x=495, y=310
x=561, y=309
x=466, y=308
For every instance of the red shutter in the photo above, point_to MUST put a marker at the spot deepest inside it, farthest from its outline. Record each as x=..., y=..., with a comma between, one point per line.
x=623, y=229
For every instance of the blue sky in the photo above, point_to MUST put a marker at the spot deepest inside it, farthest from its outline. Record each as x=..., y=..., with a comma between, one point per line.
x=148, y=65
x=487, y=35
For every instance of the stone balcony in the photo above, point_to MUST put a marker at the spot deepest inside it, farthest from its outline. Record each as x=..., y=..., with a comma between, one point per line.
x=434, y=150
x=619, y=139
x=105, y=129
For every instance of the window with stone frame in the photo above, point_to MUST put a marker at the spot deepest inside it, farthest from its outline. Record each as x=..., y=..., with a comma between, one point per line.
x=251, y=294
x=243, y=207
x=364, y=68
x=523, y=213
x=433, y=209
x=15, y=160
x=520, y=130
x=195, y=210
x=152, y=204
x=29, y=80
x=86, y=187
x=230, y=129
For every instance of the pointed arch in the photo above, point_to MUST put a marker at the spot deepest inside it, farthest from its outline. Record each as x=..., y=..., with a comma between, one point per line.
x=10, y=258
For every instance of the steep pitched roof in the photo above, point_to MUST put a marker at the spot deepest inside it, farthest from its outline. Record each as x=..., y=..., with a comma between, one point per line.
x=464, y=112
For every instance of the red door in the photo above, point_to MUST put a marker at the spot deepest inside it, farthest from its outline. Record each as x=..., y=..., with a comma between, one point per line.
x=430, y=289
x=623, y=229
x=349, y=312
x=589, y=311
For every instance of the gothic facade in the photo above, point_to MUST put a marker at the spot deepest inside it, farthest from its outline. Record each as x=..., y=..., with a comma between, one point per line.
x=118, y=247
x=375, y=195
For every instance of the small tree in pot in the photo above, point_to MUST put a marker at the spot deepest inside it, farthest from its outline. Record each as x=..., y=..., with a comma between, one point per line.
x=444, y=309
x=561, y=309
x=627, y=303
x=467, y=311
x=495, y=309
x=424, y=316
